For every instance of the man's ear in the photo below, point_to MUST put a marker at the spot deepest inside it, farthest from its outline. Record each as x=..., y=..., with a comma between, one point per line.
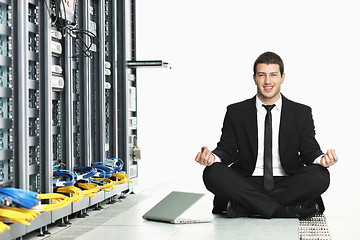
x=254, y=79
x=282, y=78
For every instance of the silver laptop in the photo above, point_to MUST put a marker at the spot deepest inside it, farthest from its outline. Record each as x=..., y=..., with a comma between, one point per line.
x=180, y=207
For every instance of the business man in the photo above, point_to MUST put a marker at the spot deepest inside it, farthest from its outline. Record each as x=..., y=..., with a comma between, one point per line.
x=267, y=161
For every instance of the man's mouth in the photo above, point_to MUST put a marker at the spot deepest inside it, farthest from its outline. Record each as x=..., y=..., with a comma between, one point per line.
x=268, y=88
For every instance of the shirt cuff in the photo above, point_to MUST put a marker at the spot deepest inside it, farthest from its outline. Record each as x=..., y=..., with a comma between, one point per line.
x=318, y=159
x=217, y=159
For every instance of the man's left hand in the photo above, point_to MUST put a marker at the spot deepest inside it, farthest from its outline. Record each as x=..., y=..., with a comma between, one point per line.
x=329, y=159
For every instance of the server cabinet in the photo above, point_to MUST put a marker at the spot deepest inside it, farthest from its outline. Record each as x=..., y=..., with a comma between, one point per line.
x=6, y=96
x=67, y=97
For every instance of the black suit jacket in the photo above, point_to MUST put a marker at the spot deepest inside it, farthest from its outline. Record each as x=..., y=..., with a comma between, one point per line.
x=238, y=144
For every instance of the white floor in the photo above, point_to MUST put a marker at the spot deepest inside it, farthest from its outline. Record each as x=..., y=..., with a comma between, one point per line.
x=123, y=220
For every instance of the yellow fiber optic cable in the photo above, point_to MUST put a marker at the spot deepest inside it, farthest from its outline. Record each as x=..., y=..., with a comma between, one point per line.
x=124, y=178
x=3, y=227
x=78, y=194
x=91, y=189
x=59, y=199
x=19, y=215
x=109, y=186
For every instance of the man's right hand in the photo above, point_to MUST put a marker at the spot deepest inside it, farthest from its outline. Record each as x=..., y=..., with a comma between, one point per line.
x=205, y=157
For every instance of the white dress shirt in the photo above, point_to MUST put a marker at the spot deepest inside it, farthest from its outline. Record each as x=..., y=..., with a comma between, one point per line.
x=261, y=114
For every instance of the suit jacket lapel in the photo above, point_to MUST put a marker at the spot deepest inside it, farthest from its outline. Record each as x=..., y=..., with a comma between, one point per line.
x=285, y=121
x=251, y=125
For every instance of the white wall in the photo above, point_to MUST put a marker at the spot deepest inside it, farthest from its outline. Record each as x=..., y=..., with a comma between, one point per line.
x=212, y=46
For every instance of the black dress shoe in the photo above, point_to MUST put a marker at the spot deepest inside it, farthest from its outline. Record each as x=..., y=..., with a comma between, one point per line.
x=235, y=210
x=303, y=210
x=219, y=206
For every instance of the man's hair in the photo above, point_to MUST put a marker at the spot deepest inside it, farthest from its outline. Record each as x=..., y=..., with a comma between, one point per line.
x=269, y=58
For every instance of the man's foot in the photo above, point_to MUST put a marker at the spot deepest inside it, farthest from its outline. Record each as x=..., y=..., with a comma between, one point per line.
x=302, y=210
x=219, y=206
x=235, y=210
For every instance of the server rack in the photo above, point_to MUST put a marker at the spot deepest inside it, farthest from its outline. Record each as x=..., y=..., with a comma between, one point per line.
x=63, y=106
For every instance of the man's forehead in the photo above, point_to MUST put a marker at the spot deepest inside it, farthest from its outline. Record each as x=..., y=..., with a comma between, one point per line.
x=264, y=67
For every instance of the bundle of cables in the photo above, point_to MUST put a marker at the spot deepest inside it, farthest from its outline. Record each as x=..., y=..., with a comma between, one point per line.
x=123, y=178
x=70, y=178
x=117, y=163
x=91, y=188
x=3, y=227
x=103, y=171
x=78, y=194
x=23, y=198
x=83, y=39
x=85, y=172
x=19, y=215
x=108, y=186
x=59, y=200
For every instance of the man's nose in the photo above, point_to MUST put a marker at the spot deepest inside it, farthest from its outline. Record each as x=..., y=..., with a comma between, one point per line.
x=267, y=78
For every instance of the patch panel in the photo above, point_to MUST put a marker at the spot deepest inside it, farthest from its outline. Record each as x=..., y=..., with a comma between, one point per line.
x=77, y=149
x=34, y=42
x=34, y=98
x=76, y=113
x=57, y=149
x=34, y=153
x=3, y=14
x=56, y=113
x=3, y=76
x=34, y=70
x=33, y=16
x=76, y=81
x=34, y=127
x=9, y=16
x=3, y=45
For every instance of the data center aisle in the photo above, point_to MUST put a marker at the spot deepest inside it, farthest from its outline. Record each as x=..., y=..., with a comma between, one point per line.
x=123, y=220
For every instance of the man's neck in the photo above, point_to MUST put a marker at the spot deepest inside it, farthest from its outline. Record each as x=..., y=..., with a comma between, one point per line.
x=269, y=101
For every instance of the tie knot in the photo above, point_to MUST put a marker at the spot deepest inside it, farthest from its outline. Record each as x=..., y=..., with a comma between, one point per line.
x=268, y=107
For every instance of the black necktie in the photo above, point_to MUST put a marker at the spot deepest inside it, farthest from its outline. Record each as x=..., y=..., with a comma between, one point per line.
x=268, y=168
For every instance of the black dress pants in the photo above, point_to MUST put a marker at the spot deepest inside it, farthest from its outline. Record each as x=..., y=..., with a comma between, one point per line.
x=229, y=185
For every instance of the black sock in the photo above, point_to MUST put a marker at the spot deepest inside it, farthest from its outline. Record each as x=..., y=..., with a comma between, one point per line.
x=280, y=212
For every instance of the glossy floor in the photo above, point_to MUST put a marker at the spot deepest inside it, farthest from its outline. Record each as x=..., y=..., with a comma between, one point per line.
x=123, y=220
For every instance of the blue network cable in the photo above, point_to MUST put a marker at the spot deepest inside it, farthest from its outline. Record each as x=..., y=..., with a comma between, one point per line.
x=118, y=164
x=102, y=174
x=71, y=178
x=107, y=171
x=91, y=171
x=24, y=198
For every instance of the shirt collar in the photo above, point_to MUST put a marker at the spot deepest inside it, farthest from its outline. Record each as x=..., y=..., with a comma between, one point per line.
x=278, y=103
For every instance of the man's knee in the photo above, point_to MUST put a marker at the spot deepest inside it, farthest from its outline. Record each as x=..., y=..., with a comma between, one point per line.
x=210, y=172
x=319, y=177
x=213, y=175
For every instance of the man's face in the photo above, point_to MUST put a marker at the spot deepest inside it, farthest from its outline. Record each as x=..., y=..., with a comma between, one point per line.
x=268, y=80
